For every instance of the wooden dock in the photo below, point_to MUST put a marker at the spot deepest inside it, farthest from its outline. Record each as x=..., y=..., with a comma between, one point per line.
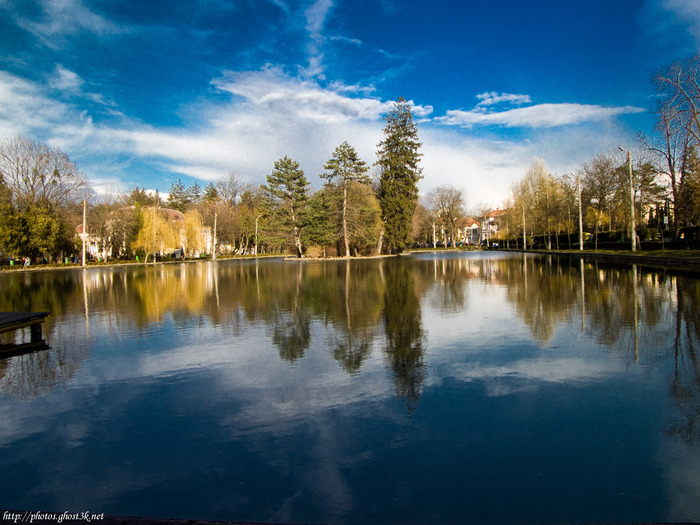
x=11, y=321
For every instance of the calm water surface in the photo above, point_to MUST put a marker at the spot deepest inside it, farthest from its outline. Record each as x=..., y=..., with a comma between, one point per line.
x=436, y=388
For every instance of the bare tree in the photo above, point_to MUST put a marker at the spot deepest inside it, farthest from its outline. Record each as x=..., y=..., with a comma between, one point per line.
x=35, y=173
x=230, y=187
x=446, y=204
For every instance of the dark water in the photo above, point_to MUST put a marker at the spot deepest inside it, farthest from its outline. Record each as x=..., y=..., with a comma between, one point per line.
x=459, y=388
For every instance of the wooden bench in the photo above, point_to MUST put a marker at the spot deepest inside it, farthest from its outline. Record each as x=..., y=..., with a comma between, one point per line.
x=10, y=321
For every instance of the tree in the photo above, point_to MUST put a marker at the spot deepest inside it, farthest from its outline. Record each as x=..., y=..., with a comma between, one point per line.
x=36, y=174
x=140, y=197
x=194, y=193
x=599, y=182
x=346, y=166
x=211, y=193
x=230, y=187
x=179, y=197
x=364, y=224
x=680, y=88
x=286, y=195
x=677, y=130
x=398, y=159
x=319, y=228
x=446, y=204
x=156, y=234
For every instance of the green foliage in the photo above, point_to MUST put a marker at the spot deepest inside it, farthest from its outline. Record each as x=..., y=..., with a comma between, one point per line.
x=179, y=197
x=398, y=159
x=319, y=227
x=286, y=195
x=210, y=192
x=138, y=196
x=44, y=231
x=14, y=233
x=345, y=167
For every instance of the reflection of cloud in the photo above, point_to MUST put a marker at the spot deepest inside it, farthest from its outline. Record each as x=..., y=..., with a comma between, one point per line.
x=681, y=463
x=531, y=372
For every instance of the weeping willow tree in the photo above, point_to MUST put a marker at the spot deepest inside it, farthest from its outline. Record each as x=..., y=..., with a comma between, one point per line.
x=192, y=233
x=157, y=233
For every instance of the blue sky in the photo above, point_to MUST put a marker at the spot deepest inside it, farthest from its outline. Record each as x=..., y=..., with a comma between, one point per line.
x=145, y=92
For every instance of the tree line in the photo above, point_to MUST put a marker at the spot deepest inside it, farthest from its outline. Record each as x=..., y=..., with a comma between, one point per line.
x=664, y=183
x=43, y=196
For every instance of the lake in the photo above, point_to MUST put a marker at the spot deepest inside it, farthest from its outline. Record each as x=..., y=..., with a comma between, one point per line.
x=464, y=387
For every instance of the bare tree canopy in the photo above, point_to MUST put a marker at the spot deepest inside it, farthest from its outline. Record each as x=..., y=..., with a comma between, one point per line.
x=680, y=88
x=230, y=187
x=35, y=173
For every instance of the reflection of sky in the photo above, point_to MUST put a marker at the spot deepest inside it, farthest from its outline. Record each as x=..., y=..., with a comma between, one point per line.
x=202, y=421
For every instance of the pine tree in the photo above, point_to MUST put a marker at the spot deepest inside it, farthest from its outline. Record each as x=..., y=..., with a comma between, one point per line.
x=319, y=228
x=210, y=192
x=398, y=159
x=348, y=167
x=178, y=197
x=286, y=195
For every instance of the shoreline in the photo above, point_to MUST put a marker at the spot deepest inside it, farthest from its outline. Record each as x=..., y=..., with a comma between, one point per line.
x=669, y=259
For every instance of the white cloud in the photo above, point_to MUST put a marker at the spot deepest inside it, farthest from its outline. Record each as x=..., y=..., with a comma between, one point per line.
x=537, y=116
x=61, y=18
x=687, y=12
x=491, y=98
x=272, y=90
x=65, y=80
x=271, y=114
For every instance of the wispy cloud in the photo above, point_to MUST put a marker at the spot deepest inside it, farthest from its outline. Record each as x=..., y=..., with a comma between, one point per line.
x=687, y=12
x=491, y=98
x=65, y=80
x=537, y=116
x=58, y=19
x=304, y=99
x=271, y=114
x=315, y=16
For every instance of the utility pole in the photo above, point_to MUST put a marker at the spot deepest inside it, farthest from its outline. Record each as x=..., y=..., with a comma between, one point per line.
x=213, y=249
x=84, y=236
x=580, y=215
x=632, y=222
x=256, y=235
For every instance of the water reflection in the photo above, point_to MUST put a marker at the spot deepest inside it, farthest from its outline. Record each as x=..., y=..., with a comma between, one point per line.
x=368, y=304
x=294, y=342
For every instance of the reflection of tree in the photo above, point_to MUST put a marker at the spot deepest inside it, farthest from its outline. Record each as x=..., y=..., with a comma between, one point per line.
x=404, y=335
x=37, y=373
x=686, y=379
x=29, y=375
x=291, y=334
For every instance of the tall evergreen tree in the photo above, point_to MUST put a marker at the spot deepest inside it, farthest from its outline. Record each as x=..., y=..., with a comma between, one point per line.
x=286, y=193
x=178, y=197
x=210, y=192
x=398, y=158
x=346, y=166
x=319, y=228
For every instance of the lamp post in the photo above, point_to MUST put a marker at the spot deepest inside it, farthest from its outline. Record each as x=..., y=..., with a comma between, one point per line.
x=580, y=215
x=84, y=233
x=256, y=235
x=632, y=224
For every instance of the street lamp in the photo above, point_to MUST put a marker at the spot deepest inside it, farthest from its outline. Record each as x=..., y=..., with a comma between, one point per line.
x=256, y=235
x=632, y=225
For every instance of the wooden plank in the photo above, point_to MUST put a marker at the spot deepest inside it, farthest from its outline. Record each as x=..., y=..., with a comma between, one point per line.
x=15, y=320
